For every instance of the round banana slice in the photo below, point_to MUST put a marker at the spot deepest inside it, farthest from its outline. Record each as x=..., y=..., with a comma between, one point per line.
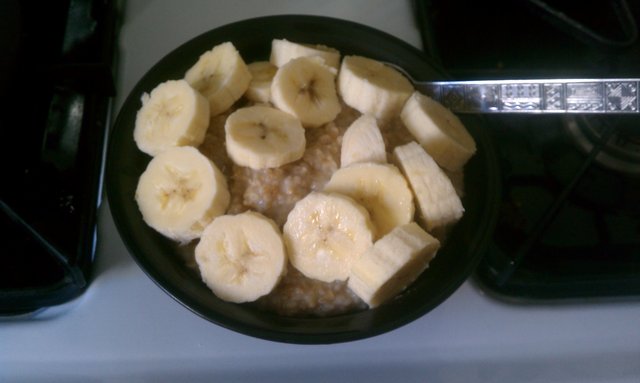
x=380, y=188
x=262, y=73
x=221, y=75
x=325, y=233
x=174, y=114
x=241, y=257
x=392, y=264
x=180, y=192
x=283, y=51
x=372, y=87
x=439, y=131
x=306, y=88
x=263, y=137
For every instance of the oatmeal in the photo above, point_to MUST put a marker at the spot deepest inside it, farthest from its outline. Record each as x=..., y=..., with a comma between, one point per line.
x=274, y=192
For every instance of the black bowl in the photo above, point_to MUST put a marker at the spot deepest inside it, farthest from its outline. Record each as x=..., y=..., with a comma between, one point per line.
x=161, y=259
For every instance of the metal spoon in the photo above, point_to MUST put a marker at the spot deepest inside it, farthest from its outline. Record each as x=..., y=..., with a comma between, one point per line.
x=607, y=96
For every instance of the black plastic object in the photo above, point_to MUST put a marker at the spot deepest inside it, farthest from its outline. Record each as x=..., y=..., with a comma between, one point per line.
x=516, y=39
x=565, y=22
x=160, y=258
x=53, y=120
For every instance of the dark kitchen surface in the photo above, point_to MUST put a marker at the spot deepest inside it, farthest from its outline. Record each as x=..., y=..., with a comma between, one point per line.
x=510, y=39
x=569, y=223
x=56, y=89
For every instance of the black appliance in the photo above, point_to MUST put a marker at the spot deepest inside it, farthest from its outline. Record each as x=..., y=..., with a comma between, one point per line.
x=569, y=224
x=56, y=86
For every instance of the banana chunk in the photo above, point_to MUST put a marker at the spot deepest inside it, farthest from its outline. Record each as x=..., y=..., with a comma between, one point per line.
x=180, y=192
x=221, y=75
x=381, y=189
x=283, y=51
x=305, y=87
x=437, y=200
x=325, y=233
x=372, y=87
x=362, y=142
x=392, y=263
x=439, y=130
x=241, y=257
x=174, y=114
x=262, y=73
x=263, y=137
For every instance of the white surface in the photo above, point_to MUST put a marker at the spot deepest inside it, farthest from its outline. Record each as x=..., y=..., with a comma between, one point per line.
x=126, y=329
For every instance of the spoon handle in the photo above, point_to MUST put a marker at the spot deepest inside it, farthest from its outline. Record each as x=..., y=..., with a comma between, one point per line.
x=617, y=96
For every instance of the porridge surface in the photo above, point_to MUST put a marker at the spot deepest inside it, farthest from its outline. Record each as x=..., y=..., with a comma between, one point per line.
x=274, y=192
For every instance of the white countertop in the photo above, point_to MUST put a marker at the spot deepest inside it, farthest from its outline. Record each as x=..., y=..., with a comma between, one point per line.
x=124, y=328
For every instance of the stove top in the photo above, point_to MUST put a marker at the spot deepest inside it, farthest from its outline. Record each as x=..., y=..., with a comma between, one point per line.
x=569, y=224
x=532, y=38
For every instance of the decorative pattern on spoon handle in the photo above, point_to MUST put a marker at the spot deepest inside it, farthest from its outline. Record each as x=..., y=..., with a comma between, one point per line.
x=537, y=96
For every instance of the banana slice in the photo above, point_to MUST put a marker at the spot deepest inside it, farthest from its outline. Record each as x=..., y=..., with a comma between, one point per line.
x=392, y=264
x=221, y=75
x=362, y=142
x=241, y=257
x=381, y=189
x=262, y=73
x=174, y=114
x=325, y=233
x=180, y=192
x=263, y=137
x=372, y=87
x=305, y=87
x=283, y=51
x=435, y=195
x=439, y=130
x=457, y=180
